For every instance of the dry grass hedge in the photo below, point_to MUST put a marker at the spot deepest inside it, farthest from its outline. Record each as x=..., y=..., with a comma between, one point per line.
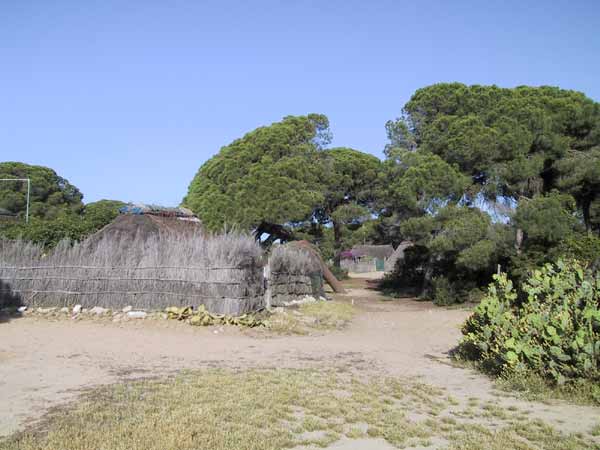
x=222, y=272
x=294, y=274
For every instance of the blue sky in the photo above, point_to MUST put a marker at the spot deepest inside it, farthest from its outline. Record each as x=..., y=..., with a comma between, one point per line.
x=127, y=99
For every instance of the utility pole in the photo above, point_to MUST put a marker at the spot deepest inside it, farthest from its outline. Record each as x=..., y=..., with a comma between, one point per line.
x=28, y=180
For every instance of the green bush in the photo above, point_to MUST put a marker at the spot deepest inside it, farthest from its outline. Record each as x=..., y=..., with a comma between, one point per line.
x=584, y=247
x=552, y=329
x=443, y=291
x=68, y=225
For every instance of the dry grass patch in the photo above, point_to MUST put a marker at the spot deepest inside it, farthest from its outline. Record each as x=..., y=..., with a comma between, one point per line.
x=310, y=317
x=272, y=409
x=533, y=387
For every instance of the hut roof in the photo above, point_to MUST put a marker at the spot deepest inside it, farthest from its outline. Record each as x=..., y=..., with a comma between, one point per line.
x=132, y=226
x=399, y=252
x=139, y=209
x=375, y=251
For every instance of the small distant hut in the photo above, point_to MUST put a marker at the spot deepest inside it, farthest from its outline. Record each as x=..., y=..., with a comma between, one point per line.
x=397, y=256
x=366, y=258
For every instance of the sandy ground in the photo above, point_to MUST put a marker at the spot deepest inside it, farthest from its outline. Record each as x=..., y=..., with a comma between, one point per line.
x=367, y=275
x=44, y=363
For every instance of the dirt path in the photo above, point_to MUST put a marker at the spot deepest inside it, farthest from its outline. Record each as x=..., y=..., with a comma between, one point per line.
x=44, y=363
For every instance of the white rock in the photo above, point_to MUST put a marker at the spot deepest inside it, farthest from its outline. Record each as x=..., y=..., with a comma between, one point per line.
x=64, y=310
x=98, y=310
x=77, y=309
x=137, y=314
x=305, y=299
x=127, y=309
x=22, y=309
x=45, y=310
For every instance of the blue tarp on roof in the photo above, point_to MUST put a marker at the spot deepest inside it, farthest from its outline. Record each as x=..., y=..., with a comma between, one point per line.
x=142, y=208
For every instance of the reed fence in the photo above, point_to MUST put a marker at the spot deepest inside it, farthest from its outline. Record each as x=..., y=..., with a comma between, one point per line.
x=223, y=273
x=293, y=274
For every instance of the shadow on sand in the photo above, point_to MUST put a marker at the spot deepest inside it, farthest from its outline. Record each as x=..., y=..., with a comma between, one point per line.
x=10, y=301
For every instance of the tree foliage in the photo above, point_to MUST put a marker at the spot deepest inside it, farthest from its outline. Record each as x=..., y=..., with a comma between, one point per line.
x=351, y=188
x=457, y=148
x=51, y=195
x=507, y=140
x=460, y=244
x=546, y=219
x=579, y=175
x=70, y=225
x=269, y=175
x=351, y=177
x=418, y=182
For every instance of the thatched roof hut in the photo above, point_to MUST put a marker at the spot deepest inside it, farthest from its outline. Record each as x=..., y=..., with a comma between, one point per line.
x=138, y=221
x=373, y=251
x=367, y=258
x=398, y=255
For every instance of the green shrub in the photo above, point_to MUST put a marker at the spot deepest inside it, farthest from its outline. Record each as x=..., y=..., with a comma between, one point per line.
x=443, y=291
x=552, y=329
x=584, y=247
x=475, y=295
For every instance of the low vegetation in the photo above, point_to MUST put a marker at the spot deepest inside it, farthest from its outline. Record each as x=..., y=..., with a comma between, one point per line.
x=201, y=317
x=311, y=317
x=547, y=329
x=532, y=387
x=283, y=408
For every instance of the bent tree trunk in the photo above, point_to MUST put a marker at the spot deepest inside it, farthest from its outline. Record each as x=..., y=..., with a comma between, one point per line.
x=275, y=232
x=329, y=277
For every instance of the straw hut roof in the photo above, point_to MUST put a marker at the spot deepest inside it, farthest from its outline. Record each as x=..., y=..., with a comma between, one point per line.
x=398, y=254
x=129, y=225
x=375, y=251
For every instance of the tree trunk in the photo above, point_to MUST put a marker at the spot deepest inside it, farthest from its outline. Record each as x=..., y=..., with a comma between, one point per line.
x=329, y=277
x=427, y=277
x=518, y=240
x=585, y=206
x=337, y=243
x=275, y=231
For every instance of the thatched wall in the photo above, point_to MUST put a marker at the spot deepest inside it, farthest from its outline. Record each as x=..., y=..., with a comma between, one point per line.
x=223, y=273
x=293, y=275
